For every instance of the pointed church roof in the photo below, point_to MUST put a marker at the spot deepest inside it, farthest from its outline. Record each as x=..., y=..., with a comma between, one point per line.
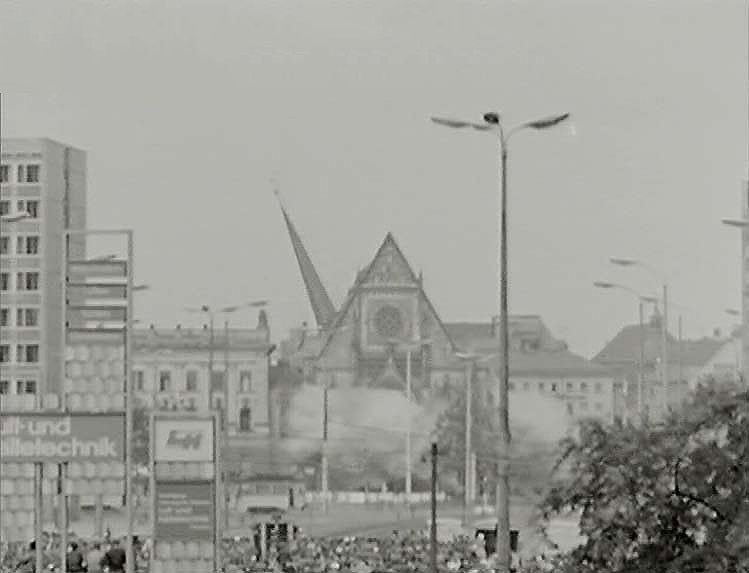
x=365, y=275
x=321, y=304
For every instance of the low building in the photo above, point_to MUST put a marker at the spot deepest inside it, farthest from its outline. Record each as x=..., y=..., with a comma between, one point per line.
x=171, y=372
x=543, y=366
x=636, y=351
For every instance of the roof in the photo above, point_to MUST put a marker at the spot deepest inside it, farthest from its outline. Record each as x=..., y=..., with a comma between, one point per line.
x=625, y=347
x=549, y=358
x=322, y=306
x=560, y=363
x=363, y=276
x=200, y=339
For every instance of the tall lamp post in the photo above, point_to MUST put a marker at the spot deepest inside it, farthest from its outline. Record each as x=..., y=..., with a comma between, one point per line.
x=743, y=225
x=409, y=347
x=641, y=371
x=470, y=359
x=627, y=262
x=493, y=124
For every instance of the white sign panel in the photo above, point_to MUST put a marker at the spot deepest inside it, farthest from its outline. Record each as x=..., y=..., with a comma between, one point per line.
x=188, y=440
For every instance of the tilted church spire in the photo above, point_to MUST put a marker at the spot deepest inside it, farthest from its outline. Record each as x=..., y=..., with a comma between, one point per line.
x=322, y=306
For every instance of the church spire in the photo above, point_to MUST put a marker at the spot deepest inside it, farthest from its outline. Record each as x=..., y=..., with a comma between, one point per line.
x=318, y=296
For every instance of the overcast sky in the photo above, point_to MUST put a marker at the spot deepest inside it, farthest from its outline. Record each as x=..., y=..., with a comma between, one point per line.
x=188, y=109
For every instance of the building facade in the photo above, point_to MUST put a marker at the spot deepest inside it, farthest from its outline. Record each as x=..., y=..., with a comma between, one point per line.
x=171, y=372
x=388, y=316
x=543, y=369
x=47, y=180
x=636, y=353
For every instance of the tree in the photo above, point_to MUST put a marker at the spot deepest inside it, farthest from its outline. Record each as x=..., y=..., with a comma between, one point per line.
x=451, y=433
x=667, y=498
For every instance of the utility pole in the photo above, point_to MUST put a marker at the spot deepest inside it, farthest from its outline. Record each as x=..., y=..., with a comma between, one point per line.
x=408, y=427
x=664, y=369
x=641, y=373
x=433, y=525
x=467, y=470
x=324, y=452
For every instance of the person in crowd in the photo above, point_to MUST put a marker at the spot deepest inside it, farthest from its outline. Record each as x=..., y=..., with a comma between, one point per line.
x=114, y=559
x=94, y=557
x=27, y=563
x=76, y=563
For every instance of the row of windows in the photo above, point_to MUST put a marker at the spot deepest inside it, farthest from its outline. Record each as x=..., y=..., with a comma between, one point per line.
x=25, y=245
x=21, y=387
x=30, y=206
x=24, y=316
x=583, y=407
x=583, y=387
x=191, y=381
x=26, y=173
x=25, y=353
x=24, y=281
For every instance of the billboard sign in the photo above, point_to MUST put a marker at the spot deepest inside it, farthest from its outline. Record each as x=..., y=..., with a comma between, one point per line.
x=183, y=440
x=62, y=437
x=184, y=511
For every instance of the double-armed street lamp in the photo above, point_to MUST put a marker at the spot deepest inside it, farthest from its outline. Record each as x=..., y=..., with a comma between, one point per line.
x=629, y=262
x=641, y=370
x=493, y=123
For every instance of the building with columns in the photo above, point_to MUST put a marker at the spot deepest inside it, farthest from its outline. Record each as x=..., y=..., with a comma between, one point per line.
x=171, y=372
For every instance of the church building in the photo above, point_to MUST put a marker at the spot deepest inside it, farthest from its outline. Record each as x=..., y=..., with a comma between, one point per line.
x=386, y=324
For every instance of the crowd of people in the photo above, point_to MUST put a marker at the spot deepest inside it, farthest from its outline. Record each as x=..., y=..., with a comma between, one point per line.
x=83, y=556
x=400, y=552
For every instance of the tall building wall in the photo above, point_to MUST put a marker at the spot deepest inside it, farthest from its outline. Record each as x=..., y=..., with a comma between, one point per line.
x=52, y=176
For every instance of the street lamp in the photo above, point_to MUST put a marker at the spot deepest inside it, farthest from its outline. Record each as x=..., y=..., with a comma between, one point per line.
x=493, y=123
x=743, y=225
x=628, y=262
x=470, y=359
x=640, y=300
x=409, y=346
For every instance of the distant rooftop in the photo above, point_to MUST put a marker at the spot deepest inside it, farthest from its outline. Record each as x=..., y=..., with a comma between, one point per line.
x=199, y=339
x=624, y=348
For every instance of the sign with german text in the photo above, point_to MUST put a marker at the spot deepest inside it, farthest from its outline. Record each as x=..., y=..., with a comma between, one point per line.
x=183, y=440
x=184, y=511
x=62, y=437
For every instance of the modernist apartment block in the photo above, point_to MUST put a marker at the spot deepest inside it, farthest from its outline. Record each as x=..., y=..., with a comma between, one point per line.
x=46, y=180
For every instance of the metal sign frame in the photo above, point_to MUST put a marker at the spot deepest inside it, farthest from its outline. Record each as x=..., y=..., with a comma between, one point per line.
x=154, y=417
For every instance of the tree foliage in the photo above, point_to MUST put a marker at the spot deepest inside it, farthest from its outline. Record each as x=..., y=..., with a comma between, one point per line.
x=451, y=433
x=662, y=499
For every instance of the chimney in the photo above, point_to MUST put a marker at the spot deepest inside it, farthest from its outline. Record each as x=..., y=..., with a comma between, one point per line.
x=205, y=327
x=179, y=327
x=151, y=327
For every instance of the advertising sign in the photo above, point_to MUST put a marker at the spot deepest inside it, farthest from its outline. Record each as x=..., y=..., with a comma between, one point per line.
x=62, y=437
x=183, y=440
x=184, y=511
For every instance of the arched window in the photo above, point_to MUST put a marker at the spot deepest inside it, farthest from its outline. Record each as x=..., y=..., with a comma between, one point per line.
x=245, y=419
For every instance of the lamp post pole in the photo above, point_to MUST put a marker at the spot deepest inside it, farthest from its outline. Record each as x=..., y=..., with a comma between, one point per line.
x=627, y=262
x=640, y=312
x=467, y=479
x=493, y=123
x=408, y=427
